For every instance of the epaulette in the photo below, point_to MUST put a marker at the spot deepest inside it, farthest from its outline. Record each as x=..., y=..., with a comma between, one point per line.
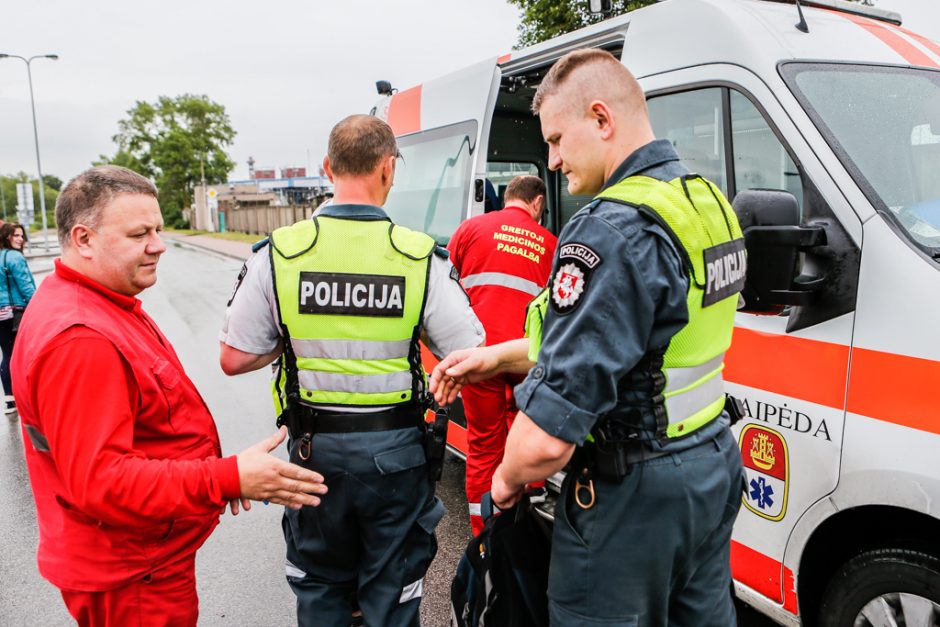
x=442, y=252
x=260, y=244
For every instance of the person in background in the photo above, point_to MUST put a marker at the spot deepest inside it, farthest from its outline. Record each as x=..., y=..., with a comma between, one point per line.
x=16, y=288
x=504, y=258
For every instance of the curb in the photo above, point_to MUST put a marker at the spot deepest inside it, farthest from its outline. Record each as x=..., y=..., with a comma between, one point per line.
x=179, y=241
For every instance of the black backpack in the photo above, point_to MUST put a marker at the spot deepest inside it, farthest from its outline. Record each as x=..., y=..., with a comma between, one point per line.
x=502, y=578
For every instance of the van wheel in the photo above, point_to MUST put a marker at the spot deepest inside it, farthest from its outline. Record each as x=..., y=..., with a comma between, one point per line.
x=884, y=588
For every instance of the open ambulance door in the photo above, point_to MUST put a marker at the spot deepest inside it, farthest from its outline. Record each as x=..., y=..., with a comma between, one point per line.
x=442, y=128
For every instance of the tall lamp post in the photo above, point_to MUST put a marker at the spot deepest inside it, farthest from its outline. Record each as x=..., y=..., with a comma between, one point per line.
x=32, y=103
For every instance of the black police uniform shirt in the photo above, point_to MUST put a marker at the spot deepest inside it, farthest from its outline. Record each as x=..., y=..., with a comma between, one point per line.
x=621, y=291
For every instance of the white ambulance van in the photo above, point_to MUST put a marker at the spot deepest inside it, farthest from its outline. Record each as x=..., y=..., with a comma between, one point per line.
x=826, y=135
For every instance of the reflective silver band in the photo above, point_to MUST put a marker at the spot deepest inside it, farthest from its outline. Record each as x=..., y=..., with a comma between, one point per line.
x=705, y=385
x=687, y=404
x=503, y=280
x=350, y=349
x=361, y=383
x=679, y=378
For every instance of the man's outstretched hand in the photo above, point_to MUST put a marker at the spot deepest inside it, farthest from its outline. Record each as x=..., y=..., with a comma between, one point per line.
x=264, y=477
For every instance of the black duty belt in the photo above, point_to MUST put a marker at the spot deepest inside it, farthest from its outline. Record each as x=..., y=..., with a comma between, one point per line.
x=317, y=421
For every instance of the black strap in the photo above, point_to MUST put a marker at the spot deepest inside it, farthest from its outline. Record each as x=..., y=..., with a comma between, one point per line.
x=314, y=421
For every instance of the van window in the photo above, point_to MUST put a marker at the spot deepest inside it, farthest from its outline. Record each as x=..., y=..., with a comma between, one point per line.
x=883, y=123
x=693, y=122
x=760, y=160
x=499, y=173
x=432, y=180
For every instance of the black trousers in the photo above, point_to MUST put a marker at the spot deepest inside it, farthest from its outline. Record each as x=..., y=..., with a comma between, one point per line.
x=6, y=346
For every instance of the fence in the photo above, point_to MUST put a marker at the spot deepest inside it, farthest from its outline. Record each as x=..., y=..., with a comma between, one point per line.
x=263, y=220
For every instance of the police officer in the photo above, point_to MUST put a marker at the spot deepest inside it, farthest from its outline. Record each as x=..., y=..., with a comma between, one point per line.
x=626, y=386
x=341, y=301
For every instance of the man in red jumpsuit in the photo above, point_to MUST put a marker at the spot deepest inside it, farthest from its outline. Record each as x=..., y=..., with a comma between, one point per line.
x=123, y=455
x=504, y=259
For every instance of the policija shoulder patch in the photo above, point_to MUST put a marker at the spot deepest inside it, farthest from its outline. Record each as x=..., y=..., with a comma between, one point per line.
x=342, y=294
x=576, y=263
x=725, y=271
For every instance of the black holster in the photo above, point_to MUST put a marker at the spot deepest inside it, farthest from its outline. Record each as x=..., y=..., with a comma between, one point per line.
x=435, y=443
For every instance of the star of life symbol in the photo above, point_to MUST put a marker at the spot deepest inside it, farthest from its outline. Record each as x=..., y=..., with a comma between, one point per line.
x=569, y=284
x=762, y=493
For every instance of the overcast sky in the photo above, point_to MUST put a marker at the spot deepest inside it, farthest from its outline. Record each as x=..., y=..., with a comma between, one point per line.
x=285, y=71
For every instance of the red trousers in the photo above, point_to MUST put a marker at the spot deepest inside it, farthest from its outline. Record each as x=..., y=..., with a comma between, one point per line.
x=490, y=410
x=164, y=598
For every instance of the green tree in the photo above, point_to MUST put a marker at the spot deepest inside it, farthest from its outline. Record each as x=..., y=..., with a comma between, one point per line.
x=544, y=19
x=8, y=197
x=172, y=141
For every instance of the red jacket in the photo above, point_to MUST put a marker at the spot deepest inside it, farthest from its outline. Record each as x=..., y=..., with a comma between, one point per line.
x=123, y=455
x=504, y=259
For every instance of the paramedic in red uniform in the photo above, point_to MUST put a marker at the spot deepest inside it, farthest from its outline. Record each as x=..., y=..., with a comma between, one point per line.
x=123, y=455
x=504, y=259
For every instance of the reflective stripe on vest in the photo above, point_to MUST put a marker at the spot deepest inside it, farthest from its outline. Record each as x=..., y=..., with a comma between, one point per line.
x=352, y=342
x=501, y=279
x=690, y=394
x=697, y=217
x=350, y=349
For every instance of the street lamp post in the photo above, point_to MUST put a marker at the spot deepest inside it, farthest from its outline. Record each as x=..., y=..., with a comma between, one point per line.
x=32, y=103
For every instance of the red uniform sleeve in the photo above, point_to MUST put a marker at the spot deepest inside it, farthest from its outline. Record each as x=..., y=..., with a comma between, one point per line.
x=455, y=246
x=86, y=398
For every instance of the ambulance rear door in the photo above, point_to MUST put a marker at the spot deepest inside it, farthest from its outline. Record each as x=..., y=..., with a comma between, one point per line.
x=442, y=128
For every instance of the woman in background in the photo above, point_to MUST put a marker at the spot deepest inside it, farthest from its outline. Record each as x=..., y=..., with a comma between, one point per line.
x=16, y=288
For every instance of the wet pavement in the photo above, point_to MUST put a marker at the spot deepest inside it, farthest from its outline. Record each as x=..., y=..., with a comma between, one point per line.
x=240, y=570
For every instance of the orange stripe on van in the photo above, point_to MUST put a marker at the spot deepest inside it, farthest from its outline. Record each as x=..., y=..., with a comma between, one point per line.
x=810, y=370
x=911, y=53
x=762, y=573
x=504, y=59
x=898, y=389
x=926, y=43
x=404, y=111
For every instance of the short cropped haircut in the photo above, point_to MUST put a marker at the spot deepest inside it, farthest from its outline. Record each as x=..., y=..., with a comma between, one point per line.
x=358, y=144
x=562, y=71
x=525, y=188
x=83, y=198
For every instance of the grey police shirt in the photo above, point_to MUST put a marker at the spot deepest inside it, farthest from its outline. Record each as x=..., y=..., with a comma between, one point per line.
x=618, y=290
x=251, y=317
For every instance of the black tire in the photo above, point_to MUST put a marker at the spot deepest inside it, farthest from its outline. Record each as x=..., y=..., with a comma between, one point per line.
x=890, y=576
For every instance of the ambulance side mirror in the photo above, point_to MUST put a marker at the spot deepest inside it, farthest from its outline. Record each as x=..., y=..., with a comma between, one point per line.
x=770, y=220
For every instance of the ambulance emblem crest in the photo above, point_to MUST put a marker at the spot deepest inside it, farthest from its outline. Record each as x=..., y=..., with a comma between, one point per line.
x=767, y=471
x=567, y=286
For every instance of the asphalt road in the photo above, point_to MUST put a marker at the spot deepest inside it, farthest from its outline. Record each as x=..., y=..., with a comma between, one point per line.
x=240, y=570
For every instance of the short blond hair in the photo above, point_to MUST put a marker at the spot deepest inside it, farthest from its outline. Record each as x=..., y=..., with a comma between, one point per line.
x=600, y=76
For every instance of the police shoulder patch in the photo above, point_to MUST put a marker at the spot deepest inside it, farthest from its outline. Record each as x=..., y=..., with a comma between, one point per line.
x=576, y=263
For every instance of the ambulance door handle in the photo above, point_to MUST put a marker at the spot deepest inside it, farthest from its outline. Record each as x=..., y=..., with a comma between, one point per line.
x=478, y=193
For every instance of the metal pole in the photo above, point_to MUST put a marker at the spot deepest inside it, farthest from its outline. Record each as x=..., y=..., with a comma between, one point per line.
x=42, y=187
x=3, y=200
x=32, y=104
